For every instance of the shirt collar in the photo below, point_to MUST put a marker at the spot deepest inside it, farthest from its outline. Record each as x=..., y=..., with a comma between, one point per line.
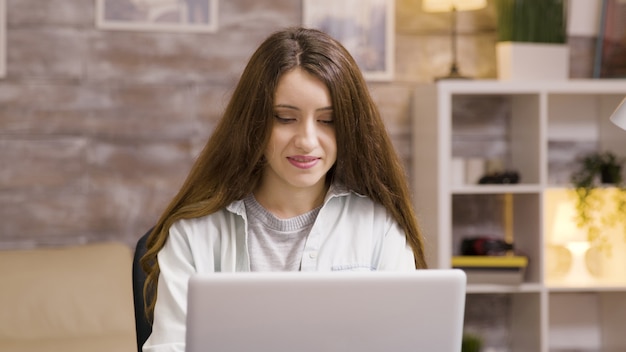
x=335, y=190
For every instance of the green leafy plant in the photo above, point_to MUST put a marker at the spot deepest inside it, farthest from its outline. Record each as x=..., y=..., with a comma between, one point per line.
x=471, y=343
x=536, y=21
x=596, y=170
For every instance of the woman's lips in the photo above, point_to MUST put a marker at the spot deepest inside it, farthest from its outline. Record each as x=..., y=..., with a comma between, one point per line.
x=303, y=162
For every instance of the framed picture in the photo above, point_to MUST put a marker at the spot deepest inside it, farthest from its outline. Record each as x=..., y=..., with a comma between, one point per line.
x=157, y=15
x=365, y=27
x=610, y=61
x=3, y=38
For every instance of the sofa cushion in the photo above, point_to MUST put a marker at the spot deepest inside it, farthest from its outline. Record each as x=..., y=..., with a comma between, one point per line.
x=101, y=343
x=67, y=295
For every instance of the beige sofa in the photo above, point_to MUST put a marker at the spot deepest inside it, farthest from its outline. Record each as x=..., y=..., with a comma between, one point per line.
x=68, y=299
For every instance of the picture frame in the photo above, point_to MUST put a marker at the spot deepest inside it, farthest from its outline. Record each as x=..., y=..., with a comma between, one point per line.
x=3, y=38
x=158, y=15
x=366, y=28
x=611, y=41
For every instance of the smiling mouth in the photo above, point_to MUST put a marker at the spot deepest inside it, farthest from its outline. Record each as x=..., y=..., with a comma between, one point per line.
x=303, y=162
x=303, y=159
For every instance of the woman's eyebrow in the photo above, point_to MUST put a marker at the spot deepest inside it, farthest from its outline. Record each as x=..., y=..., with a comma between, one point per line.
x=287, y=106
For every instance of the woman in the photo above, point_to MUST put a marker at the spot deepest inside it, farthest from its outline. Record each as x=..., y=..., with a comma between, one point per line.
x=299, y=174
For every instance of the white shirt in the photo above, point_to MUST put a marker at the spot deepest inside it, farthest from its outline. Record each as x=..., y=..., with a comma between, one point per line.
x=351, y=232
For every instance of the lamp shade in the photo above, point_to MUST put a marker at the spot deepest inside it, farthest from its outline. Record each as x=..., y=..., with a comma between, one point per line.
x=564, y=228
x=619, y=115
x=449, y=5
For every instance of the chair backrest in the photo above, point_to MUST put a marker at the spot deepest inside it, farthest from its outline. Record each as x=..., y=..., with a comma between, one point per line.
x=143, y=326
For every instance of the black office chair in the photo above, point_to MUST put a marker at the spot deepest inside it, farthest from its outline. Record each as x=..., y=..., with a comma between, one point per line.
x=143, y=326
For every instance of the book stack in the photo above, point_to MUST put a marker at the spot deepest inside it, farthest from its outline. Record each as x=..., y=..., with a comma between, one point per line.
x=483, y=269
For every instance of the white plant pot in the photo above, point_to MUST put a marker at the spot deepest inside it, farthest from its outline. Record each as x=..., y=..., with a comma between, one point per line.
x=532, y=61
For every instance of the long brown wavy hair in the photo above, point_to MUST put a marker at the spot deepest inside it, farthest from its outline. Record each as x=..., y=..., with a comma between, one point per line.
x=231, y=164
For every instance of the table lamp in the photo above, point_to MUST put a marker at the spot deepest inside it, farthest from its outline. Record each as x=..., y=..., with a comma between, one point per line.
x=566, y=232
x=453, y=6
x=619, y=115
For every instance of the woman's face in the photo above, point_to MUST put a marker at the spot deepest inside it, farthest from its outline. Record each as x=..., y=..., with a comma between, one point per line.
x=302, y=146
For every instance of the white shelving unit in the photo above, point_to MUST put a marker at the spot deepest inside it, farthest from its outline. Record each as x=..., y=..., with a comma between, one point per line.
x=543, y=316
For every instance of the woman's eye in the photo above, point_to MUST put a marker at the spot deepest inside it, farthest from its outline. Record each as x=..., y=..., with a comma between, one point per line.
x=327, y=122
x=281, y=119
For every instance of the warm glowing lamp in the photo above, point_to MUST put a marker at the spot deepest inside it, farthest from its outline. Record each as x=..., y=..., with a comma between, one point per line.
x=566, y=232
x=453, y=6
x=619, y=115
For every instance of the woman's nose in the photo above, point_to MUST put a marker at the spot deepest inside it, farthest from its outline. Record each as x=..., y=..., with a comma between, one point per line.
x=306, y=137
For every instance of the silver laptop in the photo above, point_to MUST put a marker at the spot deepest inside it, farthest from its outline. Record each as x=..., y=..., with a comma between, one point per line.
x=326, y=311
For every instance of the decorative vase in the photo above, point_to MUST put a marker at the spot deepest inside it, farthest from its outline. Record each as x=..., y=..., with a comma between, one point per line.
x=532, y=61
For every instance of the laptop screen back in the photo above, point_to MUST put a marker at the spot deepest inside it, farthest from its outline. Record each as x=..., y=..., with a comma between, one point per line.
x=326, y=311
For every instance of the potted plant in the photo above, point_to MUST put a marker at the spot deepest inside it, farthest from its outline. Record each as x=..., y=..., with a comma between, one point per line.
x=532, y=37
x=596, y=170
x=471, y=343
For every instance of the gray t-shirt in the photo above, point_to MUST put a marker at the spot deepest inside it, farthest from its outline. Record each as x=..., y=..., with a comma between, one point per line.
x=276, y=244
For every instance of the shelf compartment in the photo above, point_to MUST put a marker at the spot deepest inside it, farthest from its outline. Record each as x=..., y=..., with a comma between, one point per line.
x=505, y=321
x=510, y=217
x=587, y=321
x=578, y=124
x=495, y=133
x=596, y=267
